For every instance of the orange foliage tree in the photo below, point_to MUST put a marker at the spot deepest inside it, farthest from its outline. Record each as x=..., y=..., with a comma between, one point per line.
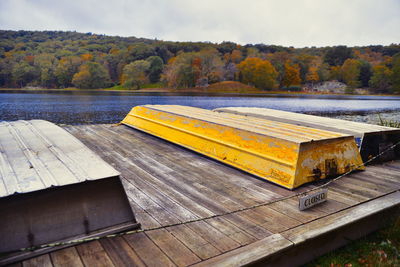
x=291, y=75
x=91, y=75
x=86, y=57
x=312, y=75
x=258, y=72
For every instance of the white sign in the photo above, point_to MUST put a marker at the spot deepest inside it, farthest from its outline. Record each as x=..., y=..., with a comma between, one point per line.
x=313, y=199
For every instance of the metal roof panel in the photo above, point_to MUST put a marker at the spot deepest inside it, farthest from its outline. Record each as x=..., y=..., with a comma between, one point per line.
x=37, y=154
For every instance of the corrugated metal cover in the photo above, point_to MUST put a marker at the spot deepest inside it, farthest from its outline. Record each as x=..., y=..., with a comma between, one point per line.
x=35, y=155
x=286, y=154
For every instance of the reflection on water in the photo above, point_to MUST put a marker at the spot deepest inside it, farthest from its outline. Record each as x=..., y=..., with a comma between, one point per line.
x=77, y=107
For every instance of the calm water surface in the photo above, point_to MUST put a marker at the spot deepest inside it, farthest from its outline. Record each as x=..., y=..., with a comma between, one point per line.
x=111, y=107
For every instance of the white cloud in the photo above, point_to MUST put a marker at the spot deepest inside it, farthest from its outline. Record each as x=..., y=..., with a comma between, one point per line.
x=283, y=22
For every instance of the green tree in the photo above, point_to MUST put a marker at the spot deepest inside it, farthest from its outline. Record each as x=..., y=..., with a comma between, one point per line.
x=91, y=75
x=139, y=51
x=135, y=74
x=336, y=56
x=23, y=73
x=365, y=73
x=155, y=69
x=6, y=67
x=324, y=72
x=47, y=64
x=380, y=79
x=335, y=73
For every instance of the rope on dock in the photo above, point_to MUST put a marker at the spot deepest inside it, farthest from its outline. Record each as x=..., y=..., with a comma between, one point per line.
x=325, y=185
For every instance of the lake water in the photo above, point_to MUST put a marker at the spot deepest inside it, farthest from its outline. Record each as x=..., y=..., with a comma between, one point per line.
x=72, y=107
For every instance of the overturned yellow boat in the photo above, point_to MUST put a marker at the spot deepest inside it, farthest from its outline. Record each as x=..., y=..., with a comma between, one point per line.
x=286, y=154
x=373, y=140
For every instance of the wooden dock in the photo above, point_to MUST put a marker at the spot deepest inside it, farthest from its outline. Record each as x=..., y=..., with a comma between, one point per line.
x=178, y=195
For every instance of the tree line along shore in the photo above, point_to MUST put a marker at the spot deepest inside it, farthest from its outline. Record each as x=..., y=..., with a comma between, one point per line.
x=56, y=59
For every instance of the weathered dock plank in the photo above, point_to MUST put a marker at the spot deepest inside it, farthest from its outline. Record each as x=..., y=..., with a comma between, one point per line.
x=298, y=245
x=155, y=258
x=93, y=254
x=171, y=246
x=66, y=257
x=195, y=187
x=43, y=260
x=121, y=253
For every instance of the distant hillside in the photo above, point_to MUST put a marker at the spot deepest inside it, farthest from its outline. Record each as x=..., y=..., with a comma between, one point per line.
x=56, y=59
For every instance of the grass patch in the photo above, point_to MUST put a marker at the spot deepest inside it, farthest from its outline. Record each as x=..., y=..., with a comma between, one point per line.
x=152, y=85
x=381, y=248
x=117, y=87
x=383, y=122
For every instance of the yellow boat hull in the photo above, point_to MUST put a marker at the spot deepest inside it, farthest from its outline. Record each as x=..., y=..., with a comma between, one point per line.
x=278, y=152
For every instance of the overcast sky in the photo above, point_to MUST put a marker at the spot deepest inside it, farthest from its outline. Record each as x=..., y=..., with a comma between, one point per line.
x=296, y=23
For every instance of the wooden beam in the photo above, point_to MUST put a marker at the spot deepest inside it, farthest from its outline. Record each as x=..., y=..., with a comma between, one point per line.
x=303, y=243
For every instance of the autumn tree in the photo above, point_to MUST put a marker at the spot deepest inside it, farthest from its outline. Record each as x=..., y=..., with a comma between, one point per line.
x=380, y=80
x=258, y=72
x=194, y=69
x=66, y=69
x=86, y=57
x=291, y=75
x=312, y=75
x=234, y=57
x=305, y=62
x=350, y=72
x=51, y=59
x=115, y=63
x=278, y=60
x=396, y=73
x=179, y=71
x=230, y=69
x=135, y=74
x=230, y=72
x=211, y=65
x=91, y=75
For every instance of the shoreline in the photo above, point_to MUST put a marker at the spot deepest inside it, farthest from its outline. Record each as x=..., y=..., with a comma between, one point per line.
x=196, y=91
